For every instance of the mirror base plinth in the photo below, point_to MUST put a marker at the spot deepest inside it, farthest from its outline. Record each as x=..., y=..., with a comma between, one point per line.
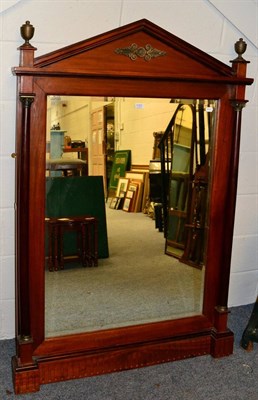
x=222, y=343
x=74, y=366
x=26, y=378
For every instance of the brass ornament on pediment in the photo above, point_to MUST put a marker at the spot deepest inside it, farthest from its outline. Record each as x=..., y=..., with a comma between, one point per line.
x=134, y=51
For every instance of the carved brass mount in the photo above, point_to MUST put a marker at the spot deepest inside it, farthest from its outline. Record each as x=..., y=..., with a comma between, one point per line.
x=134, y=51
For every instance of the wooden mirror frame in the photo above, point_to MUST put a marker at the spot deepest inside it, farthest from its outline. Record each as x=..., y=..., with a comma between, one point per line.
x=136, y=60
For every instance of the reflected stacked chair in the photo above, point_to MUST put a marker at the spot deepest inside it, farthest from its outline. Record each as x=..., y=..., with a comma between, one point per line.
x=86, y=229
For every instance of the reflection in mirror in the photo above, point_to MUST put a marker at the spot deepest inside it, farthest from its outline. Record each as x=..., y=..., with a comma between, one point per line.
x=185, y=155
x=108, y=264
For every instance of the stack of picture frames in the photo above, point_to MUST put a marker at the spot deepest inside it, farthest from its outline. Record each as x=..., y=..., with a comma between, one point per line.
x=132, y=191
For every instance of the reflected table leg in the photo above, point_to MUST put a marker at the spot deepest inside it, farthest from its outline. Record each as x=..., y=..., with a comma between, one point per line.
x=60, y=244
x=56, y=237
x=90, y=241
x=50, y=243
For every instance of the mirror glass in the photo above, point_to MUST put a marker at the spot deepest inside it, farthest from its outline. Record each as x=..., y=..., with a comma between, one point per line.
x=123, y=245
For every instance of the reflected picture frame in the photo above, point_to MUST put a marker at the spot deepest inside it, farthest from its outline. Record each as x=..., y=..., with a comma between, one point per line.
x=122, y=187
x=113, y=203
x=127, y=203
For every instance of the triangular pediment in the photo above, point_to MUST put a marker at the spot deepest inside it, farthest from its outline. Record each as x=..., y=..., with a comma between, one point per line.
x=137, y=49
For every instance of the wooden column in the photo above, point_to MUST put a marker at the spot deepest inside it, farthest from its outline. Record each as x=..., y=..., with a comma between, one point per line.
x=23, y=177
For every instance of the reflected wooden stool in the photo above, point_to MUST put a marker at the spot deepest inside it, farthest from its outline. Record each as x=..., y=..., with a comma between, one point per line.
x=86, y=231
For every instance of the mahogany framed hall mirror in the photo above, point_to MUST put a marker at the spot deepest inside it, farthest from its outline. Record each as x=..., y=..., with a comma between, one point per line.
x=142, y=64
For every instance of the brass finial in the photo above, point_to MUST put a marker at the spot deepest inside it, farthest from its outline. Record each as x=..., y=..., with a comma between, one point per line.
x=240, y=48
x=27, y=32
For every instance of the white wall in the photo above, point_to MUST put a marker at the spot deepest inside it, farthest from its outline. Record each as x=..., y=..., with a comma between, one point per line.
x=136, y=119
x=212, y=25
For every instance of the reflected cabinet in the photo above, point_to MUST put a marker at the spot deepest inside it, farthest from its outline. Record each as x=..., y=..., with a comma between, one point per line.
x=201, y=101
